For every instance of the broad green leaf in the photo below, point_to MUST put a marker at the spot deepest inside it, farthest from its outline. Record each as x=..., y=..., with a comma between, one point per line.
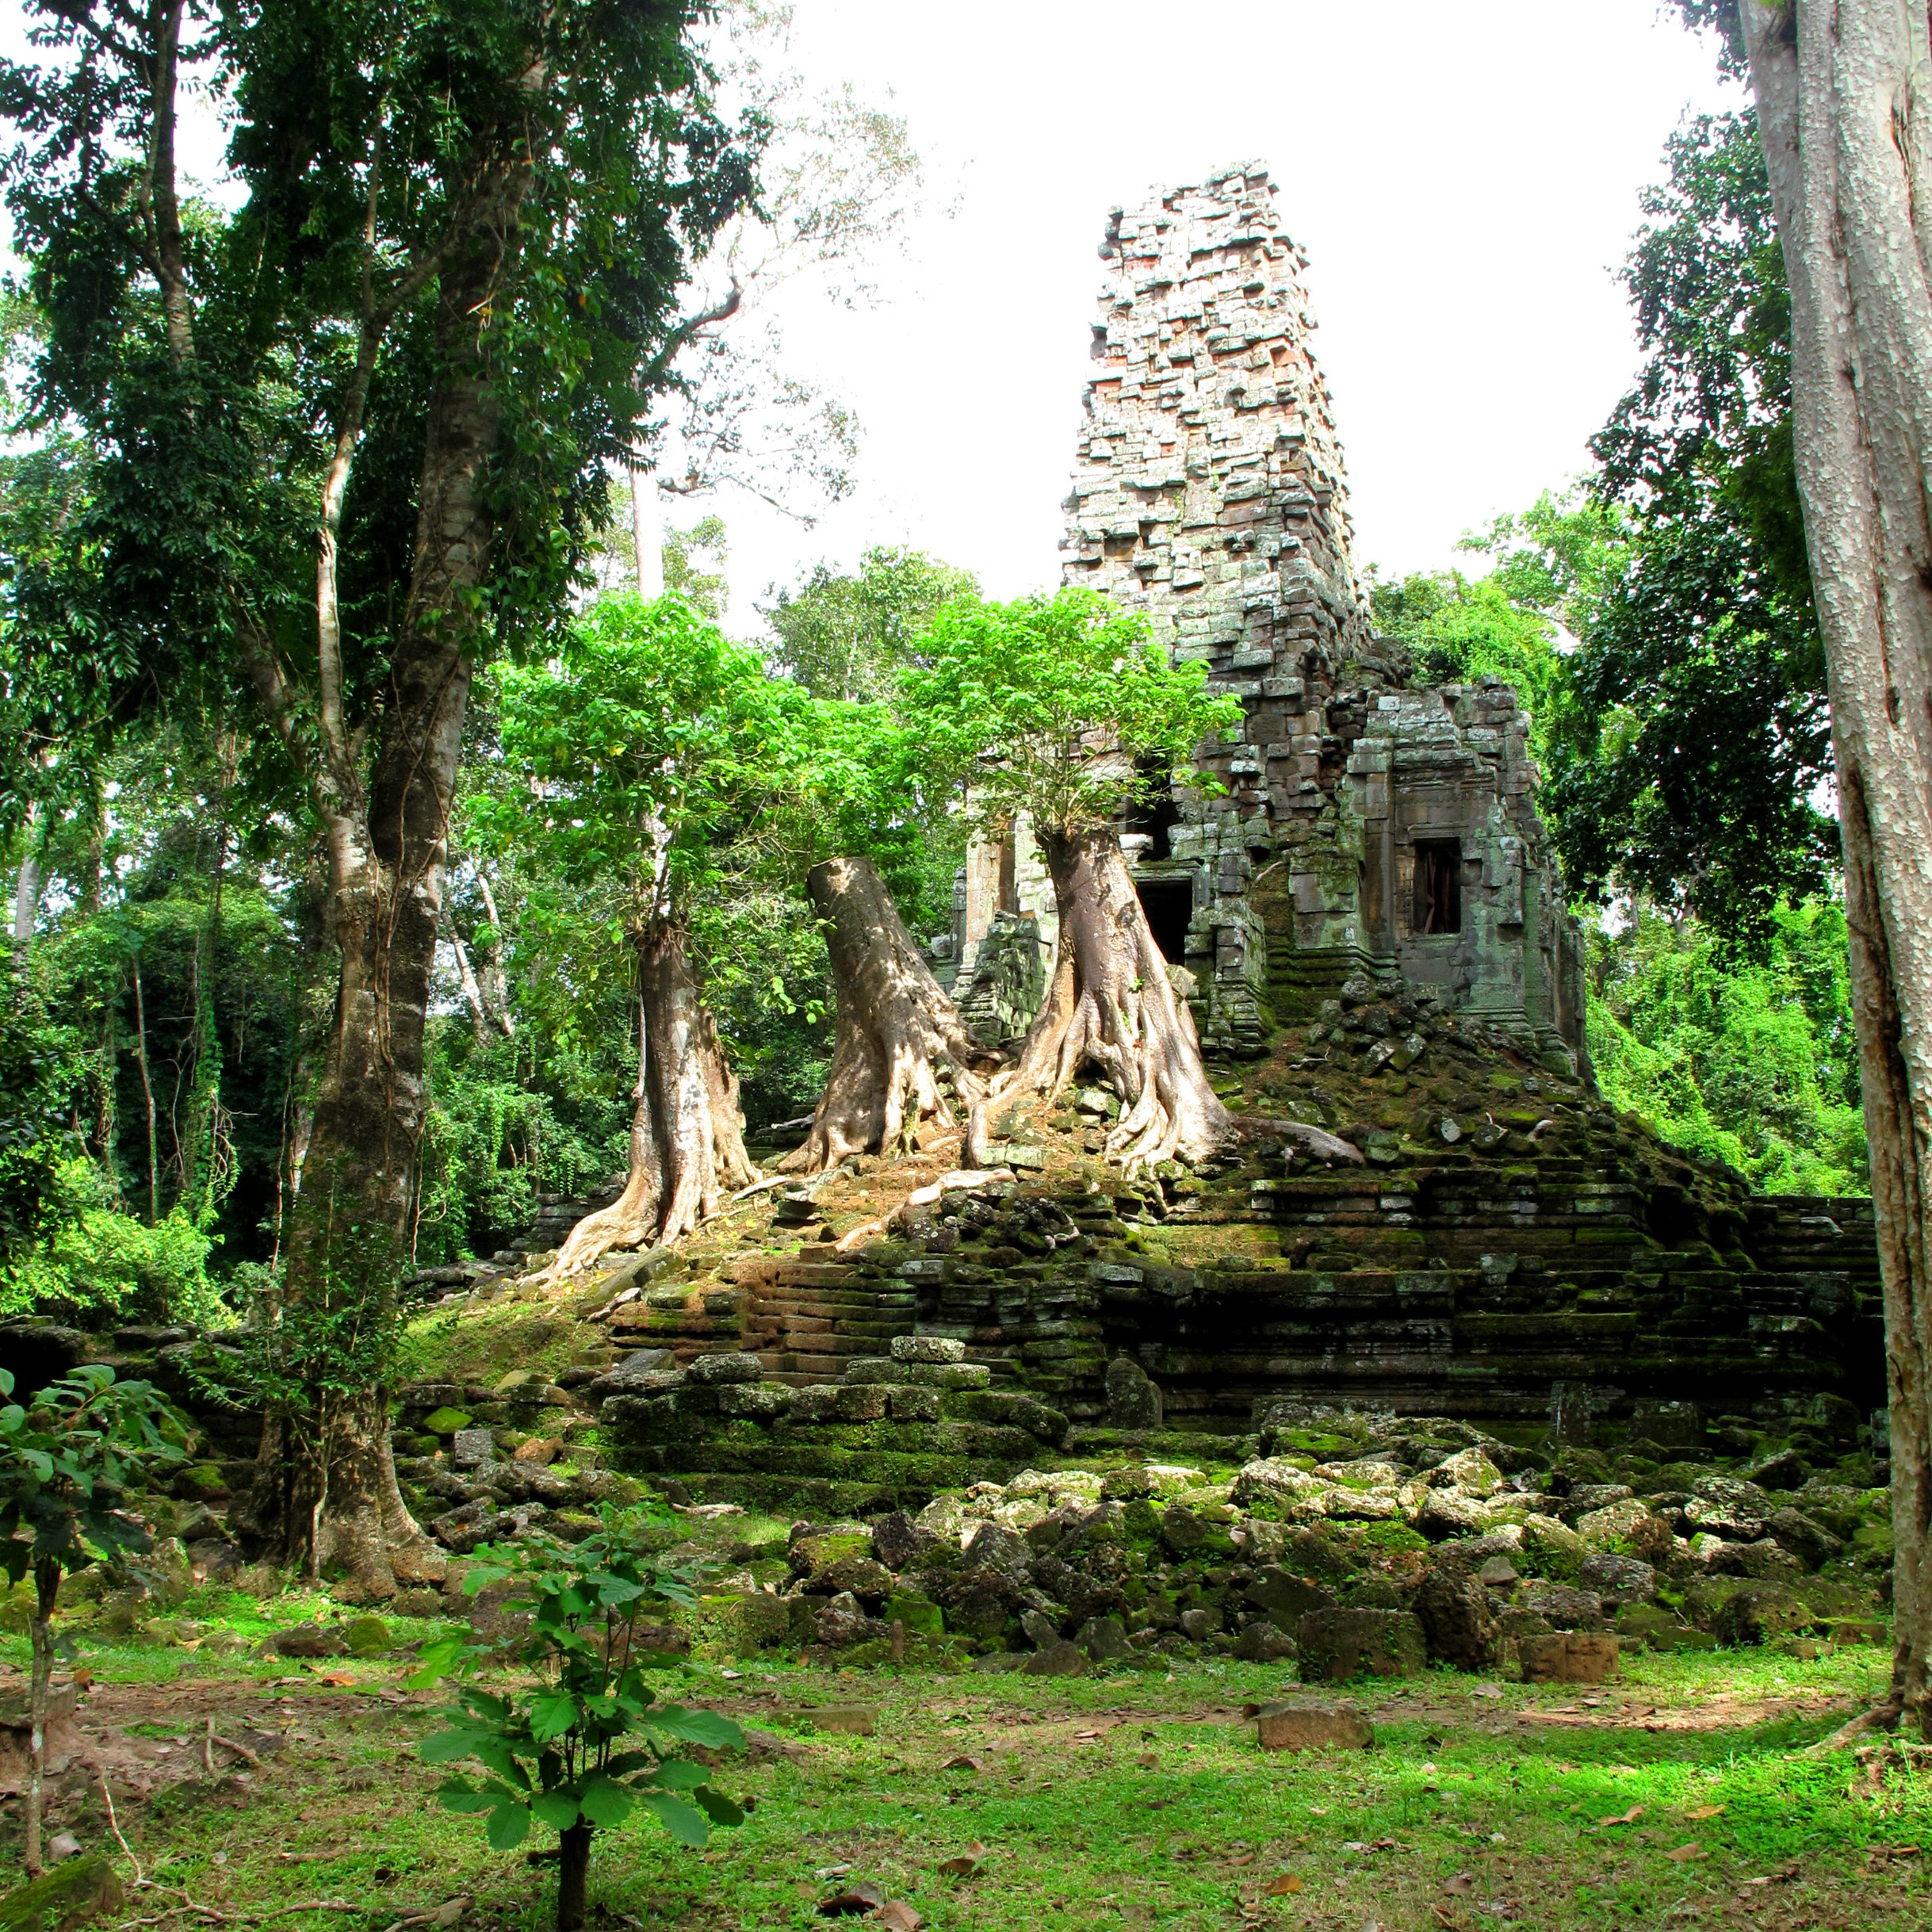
x=555, y=1808
x=677, y=1774
x=461, y=1798
x=718, y=1808
x=447, y=1746
x=706, y=1727
x=509, y=1825
x=605, y=1802
x=552, y=1715
x=684, y=1821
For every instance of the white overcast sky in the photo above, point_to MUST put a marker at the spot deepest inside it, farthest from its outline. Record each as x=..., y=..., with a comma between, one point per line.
x=1464, y=180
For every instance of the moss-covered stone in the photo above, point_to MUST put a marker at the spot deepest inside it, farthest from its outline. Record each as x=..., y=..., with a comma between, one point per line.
x=70, y=1894
x=446, y=1421
x=367, y=1637
x=918, y=1613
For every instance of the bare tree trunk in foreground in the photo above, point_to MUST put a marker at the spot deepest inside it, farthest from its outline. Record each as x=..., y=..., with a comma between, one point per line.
x=1844, y=96
x=325, y=1498
x=687, y=1133
x=1112, y=1003
x=896, y=1029
x=46, y=1584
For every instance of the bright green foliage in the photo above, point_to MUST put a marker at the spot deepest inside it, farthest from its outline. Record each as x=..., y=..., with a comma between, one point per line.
x=588, y=1740
x=848, y=636
x=190, y=488
x=1550, y=568
x=1753, y=1063
x=1461, y=630
x=38, y=1075
x=1692, y=762
x=686, y=553
x=66, y=1458
x=97, y=1259
x=170, y=929
x=653, y=742
x=1058, y=706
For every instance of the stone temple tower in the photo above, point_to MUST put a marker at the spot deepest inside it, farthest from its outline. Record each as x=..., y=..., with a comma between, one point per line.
x=1209, y=489
x=1365, y=827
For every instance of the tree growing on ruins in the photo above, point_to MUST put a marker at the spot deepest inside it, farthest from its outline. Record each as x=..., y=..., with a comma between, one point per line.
x=329, y=453
x=1059, y=708
x=903, y=1062
x=650, y=744
x=1844, y=99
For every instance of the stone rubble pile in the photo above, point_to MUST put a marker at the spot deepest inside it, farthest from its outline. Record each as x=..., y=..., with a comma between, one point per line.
x=1358, y=1543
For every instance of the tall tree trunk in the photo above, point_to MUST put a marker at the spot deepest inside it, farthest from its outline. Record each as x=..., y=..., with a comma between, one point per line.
x=687, y=1131
x=647, y=534
x=1112, y=1003
x=472, y=993
x=495, y=985
x=147, y=1095
x=895, y=1029
x=27, y=887
x=40, y=1630
x=1844, y=95
x=326, y=1499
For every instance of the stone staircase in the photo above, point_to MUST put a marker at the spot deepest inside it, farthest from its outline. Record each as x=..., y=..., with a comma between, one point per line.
x=806, y=1317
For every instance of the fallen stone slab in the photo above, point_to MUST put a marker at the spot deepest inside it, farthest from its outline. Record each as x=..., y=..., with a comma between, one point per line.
x=1568, y=1657
x=858, y=1721
x=1335, y=1645
x=1312, y=1727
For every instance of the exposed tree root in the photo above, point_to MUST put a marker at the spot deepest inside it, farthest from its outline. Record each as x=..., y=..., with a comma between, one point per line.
x=896, y=1029
x=1112, y=1005
x=1315, y=1142
x=687, y=1132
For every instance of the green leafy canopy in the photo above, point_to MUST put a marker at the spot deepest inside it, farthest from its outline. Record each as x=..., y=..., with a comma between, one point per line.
x=1057, y=706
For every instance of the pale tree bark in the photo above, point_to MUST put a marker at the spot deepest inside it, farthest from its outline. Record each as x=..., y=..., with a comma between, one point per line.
x=1844, y=96
x=896, y=1031
x=647, y=533
x=495, y=985
x=687, y=1129
x=27, y=886
x=472, y=993
x=1111, y=1004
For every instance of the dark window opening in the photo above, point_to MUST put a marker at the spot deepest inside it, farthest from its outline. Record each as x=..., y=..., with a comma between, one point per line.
x=1169, y=906
x=1009, y=875
x=1155, y=813
x=1438, y=886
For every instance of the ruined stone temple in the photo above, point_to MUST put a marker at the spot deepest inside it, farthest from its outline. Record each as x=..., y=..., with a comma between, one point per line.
x=1369, y=917
x=1367, y=827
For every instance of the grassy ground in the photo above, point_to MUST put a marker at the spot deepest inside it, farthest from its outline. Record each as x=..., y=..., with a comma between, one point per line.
x=1682, y=1795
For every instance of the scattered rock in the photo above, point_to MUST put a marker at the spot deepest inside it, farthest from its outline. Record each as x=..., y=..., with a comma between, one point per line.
x=1336, y=1645
x=715, y=1370
x=1458, y=1625
x=1568, y=1657
x=1133, y=1401
x=1060, y=1658
x=1299, y=1726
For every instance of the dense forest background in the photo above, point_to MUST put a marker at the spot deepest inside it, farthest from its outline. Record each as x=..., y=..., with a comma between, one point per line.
x=168, y=966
